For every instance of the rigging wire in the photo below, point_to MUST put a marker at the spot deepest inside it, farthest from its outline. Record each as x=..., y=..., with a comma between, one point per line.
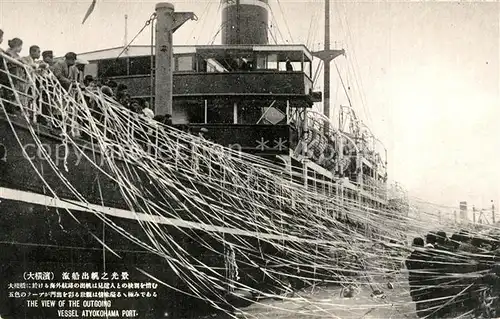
x=286, y=22
x=204, y=12
x=273, y=18
x=313, y=27
x=351, y=68
x=152, y=68
x=216, y=27
x=211, y=42
x=310, y=28
x=343, y=85
x=272, y=35
x=166, y=175
x=319, y=68
x=221, y=25
x=148, y=22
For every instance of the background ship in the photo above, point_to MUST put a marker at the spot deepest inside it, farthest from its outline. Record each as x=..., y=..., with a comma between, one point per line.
x=258, y=198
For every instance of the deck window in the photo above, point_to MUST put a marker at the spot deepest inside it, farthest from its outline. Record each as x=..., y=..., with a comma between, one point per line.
x=261, y=61
x=192, y=111
x=185, y=63
x=220, y=111
x=140, y=65
x=91, y=69
x=267, y=61
x=272, y=61
x=307, y=68
x=112, y=67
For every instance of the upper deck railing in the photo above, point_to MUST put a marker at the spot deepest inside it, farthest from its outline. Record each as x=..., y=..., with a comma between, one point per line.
x=258, y=84
x=342, y=154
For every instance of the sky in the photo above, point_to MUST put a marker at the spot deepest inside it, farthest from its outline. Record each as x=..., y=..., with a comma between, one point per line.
x=424, y=76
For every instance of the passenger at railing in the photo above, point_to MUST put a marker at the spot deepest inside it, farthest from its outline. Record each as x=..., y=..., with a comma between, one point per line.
x=108, y=83
x=15, y=47
x=488, y=303
x=107, y=91
x=147, y=115
x=147, y=111
x=121, y=91
x=288, y=65
x=435, y=281
x=135, y=106
x=34, y=62
x=77, y=71
x=469, y=245
x=441, y=241
x=1, y=40
x=430, y=240
x=47, y=61
x=95, y=108
x=454, y=242
x=164, y=119
x=48, y=57
x=141, y=130
x=33, y=58
x=113, y=85
x=416, y=265
x=444, y=268
x=62, y=70
x=126, y=101
x=89, y=82
x=123, y=97
x=4, y=81
x=465, y=281
x=246, y=66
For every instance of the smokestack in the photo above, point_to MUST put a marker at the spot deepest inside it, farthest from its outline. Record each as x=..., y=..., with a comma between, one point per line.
x=245, y=22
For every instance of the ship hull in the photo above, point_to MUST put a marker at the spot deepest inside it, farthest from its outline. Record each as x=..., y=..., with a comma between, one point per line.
x=52, y=221
x=48, y=227
x=38, y=238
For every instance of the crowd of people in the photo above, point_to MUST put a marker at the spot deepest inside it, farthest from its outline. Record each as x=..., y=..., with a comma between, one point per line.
x=456, y=275
x=69, y=72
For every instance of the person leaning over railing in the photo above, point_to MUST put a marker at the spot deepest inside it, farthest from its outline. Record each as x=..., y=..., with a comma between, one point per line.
x=62, y=70
x=45, y=71
x=15, y=47
x=13, y=72
x=2, y=71
x=77, y=71
x=89, y=82
x=35, y=66
x=33, y=59
x=48, y=57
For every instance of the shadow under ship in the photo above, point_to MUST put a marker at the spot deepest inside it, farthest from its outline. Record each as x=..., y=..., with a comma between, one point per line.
x=242, y=95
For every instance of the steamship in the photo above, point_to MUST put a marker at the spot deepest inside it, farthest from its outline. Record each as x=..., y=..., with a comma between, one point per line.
x=244, y=94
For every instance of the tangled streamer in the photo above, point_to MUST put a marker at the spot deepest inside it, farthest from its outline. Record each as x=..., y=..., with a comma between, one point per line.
x=321, y=254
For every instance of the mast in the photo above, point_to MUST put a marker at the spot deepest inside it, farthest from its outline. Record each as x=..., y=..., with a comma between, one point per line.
x=125, y=37
x=167, y=22
x=327, y=55
x=125, y=43
x=326, y=77
x=238, y=19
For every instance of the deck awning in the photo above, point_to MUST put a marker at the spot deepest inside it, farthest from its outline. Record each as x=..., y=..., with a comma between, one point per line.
x=292, y=51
